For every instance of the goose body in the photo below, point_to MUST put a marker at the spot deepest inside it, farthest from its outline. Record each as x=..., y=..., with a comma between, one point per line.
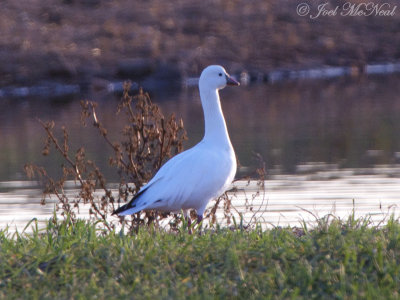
x=192, y=178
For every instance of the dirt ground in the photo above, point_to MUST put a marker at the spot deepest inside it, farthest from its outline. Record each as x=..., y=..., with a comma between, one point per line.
x=83, y=40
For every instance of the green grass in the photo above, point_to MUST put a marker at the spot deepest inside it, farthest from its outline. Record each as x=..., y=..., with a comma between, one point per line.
x=340, y=260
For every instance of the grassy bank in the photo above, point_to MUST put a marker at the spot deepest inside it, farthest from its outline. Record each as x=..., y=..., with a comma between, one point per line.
x=340, y=260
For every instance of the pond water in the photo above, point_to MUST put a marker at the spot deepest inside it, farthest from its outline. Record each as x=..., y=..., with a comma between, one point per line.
x=309, y=130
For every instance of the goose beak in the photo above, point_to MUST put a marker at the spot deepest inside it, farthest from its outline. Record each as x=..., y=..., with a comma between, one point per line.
x=231, y=81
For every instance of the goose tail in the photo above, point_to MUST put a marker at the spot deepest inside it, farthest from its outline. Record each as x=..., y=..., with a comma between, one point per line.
x=130, y=207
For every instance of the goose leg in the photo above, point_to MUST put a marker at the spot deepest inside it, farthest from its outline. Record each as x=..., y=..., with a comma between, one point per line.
x=199, y=224
x=199, y=219
x=189, y=223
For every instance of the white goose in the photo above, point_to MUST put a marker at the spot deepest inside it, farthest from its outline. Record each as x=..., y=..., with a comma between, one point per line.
x=192, y=178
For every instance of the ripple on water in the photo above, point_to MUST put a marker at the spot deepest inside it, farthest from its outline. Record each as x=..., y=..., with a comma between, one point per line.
x=286, y=201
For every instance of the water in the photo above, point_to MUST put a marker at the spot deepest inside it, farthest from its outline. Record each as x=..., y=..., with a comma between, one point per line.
x=326, y=135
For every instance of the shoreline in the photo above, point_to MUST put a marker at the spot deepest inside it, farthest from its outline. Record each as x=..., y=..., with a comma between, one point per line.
x=286, y=200
x=56, y=89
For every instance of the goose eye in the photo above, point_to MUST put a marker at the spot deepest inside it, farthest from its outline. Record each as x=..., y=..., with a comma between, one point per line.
x=220, y=74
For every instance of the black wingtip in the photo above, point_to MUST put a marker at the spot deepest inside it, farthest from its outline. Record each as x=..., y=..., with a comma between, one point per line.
x=129, y=205
x=123, y=208
x=118, y=210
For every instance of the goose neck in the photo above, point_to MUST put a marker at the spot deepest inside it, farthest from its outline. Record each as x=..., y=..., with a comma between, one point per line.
x=215, y=126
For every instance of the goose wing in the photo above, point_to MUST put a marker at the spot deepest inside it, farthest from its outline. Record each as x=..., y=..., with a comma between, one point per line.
x=188, y=180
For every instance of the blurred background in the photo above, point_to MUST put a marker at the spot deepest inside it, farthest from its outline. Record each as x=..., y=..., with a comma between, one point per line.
x=76, y=40
x=319, y=96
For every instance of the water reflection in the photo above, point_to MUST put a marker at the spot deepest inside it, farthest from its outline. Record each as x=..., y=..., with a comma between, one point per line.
x=324, y=143
x=347, y=122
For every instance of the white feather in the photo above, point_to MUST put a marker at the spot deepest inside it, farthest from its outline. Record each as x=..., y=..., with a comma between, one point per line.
x=194, y=177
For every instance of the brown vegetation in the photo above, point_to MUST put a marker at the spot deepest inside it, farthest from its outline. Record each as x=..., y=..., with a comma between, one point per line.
x=81, y=39
x=149, y=139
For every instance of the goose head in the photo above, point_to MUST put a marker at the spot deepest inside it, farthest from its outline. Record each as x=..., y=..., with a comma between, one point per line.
x=215, y=77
